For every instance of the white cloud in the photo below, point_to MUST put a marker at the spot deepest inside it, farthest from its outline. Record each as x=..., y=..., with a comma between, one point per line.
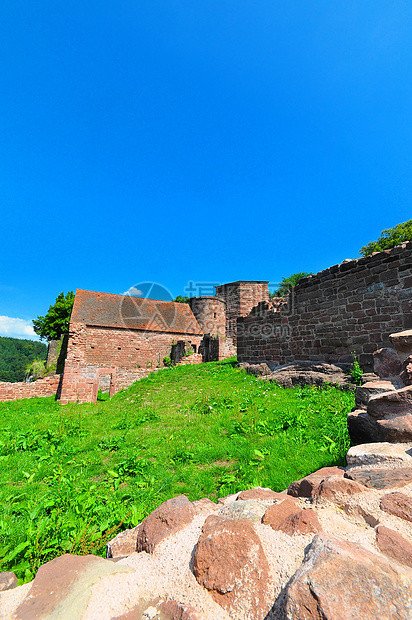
x=16, y=327
x=133, y=292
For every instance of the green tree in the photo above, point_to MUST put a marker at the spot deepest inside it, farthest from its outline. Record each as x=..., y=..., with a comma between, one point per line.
x=182, y=299
x=288, y=283
x=56, y=322
x=389, y=238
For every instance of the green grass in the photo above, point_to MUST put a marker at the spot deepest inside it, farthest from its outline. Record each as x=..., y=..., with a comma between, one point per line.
x=72, y=476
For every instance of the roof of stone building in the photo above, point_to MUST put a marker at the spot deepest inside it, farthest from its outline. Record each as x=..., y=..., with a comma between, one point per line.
x=126, y=312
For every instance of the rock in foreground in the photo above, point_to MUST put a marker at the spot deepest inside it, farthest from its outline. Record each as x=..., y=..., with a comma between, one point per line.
x=340, y=580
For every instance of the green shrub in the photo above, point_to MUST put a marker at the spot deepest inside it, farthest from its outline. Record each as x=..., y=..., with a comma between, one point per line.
x=37, y=369
x=288, y=283
x=389, y=238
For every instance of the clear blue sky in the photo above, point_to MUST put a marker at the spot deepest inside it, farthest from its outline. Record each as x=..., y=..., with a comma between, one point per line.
x=202, y=140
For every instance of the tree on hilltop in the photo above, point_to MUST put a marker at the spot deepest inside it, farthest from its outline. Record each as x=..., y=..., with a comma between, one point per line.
x=287, y=284
x=56, y=322
x=389, y=238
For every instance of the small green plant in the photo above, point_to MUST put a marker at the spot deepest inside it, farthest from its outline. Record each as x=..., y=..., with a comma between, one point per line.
x=188, y=350
x=356, y=371
x=102, y=396
x=167, y=362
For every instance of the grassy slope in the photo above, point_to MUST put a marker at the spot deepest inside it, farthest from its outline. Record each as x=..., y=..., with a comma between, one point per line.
x=72, y=476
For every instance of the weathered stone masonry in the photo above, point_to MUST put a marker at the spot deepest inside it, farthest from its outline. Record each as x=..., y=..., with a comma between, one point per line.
x=240, y=298
x=349, y=307
x=40, y=388
x=114, y=341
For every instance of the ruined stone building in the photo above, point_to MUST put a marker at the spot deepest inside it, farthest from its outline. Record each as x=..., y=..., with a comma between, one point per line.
x=348, y=308
x=116, y=339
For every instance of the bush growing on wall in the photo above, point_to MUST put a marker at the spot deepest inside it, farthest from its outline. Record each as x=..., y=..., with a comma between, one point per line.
x=389, y=238
x=288, y=283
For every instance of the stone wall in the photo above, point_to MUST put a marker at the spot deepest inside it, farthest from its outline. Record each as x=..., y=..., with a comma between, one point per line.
x=240, y=298
x=40, y=388
x=349, y=307
x=210, y=313
x=53, y=351
x=112, y=359
x=56, y=353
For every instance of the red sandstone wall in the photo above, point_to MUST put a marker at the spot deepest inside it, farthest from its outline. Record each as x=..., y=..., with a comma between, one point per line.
x=102, y=356
x=195, y=358
x=42, y=387
x=349, y=307
x=210, y=313
x=240, y=298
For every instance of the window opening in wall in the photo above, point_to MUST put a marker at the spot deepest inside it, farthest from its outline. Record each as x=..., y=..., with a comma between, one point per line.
x=214, y=315
x=193, y=347
x=119, y=348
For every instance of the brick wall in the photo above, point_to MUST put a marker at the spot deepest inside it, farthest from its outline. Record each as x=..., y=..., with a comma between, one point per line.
x=210, y=313
x=99, y=357
x=349, y=307
x=240, y=298
x=42, y=387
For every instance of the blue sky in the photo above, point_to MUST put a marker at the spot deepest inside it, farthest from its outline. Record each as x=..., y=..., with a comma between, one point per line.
x=187, y=140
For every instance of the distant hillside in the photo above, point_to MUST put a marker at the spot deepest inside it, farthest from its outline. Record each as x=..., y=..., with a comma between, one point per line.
x=16, y=354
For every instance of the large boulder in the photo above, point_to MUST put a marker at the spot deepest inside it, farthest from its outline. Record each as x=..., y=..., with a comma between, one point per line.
x=276, y=515
x=396, y=429
x=258, y=370
x=386, y=363
x=62, y=587
x=381, y=454
x=168, y=518
x=261, y=493
x=363, y=393
x=362, y=428
x=251, y=509
x=387, y=418
x=394, y=545
x=389, y=404
x=397, y=504
x=229, y=561
x=307, y=486
x=340, y=580
x=379, y=478
x=402, y=342
x=310, y=373
x=304, y=521
x=338, y=489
